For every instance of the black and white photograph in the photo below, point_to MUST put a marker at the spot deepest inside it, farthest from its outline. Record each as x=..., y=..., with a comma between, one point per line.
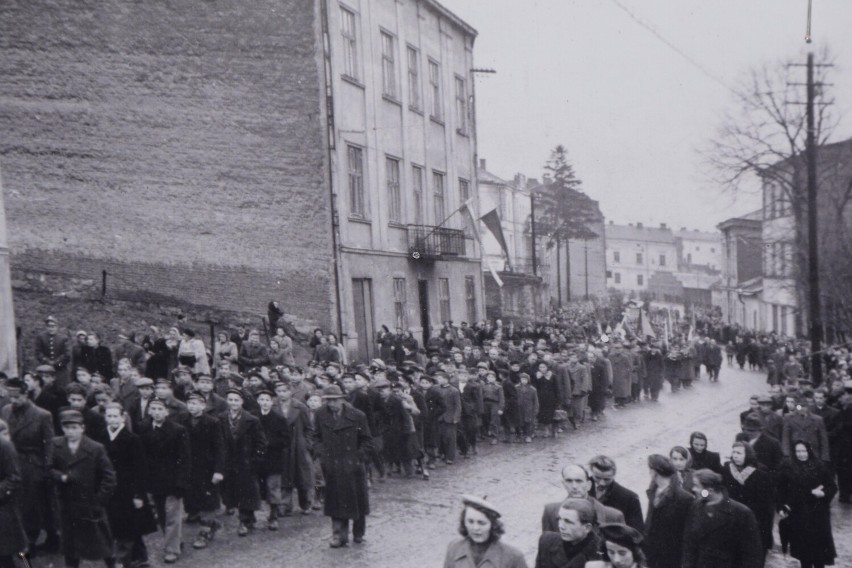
x=425, y=283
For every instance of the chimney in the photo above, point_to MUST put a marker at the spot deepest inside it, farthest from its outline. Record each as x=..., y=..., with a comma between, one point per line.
x=663, y=226
x=638, y=225
x=482, y=163
x=520, y=181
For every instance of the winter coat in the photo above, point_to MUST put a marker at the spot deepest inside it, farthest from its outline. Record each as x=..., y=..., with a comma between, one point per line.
x=342, y=444
x=552, y=554
x=54, y=350
x=278, y=438
x=809, y=516
x=706, y=460
x=167, y=458
x=808, y=428
x=195, y=348
x=664, y=526
x=600, y=384
x=729, y=538
x=626, y=501
x=757, y=493
x=128, y=458
x=527, y=403
x=31, y=431
x=207, y=456
x=227, y=352
x=83, y=498
x=245, y=451
x=299, y=472
x=622, y=369
x=581, y=380
x=397, y=439
x=654, y=369
x=253, y=355
x=12, y=537
x=498, y=555
x=548, y=397
x=97, y=360
x=452, y=405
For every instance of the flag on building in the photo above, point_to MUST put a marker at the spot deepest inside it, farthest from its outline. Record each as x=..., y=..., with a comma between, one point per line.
x=466, y=210
x=492, y=221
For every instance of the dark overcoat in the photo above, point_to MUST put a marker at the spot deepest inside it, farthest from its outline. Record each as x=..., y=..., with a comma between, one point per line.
x=654, y=369
x=278, y=438
x=167, y=457
x=245, y=450
x=626, y=501
x=757, y=494
x=551, y=551
x=128, y=459
x=83, y=498
x=622, y=370
x=435, y=407
x=342, y=445
x=12, y=537
x=664, y=527
x=207, y=456
x=300, y=469
x=809, y=516
x=728, y=538
x=31, y=430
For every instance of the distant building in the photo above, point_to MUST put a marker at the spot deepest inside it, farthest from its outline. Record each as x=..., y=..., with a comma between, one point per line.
x=635, y=252
x=742, y=269
x=314, y=153
x=698, y=249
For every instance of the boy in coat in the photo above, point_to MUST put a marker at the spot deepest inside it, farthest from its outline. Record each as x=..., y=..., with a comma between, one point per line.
x=275, y=461
x=527, y=408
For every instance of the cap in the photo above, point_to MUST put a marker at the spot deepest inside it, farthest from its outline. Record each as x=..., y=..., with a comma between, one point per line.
x=75, y=388
x=45, y=369
x=50, y=319
x=378, y=364
x=621, y=534
x=159, y=401
x=334, y=364
x=236, y=378
x=182, y=369
x=195, y=396
x=429, y=378
x=764, y=399
x=482, y=365
x=752, y=422
x=203, y=376
x=16, y=384
x=332, y=391
x=143, y=382
x=237, y=392
x=70, y=417
x=166, y=382
x=381, y=383
x=264, y=391
x=480, y=503
x=81, y=332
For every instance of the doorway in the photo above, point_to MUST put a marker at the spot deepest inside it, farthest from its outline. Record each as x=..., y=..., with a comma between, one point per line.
x=423, y=295
x=362, y=305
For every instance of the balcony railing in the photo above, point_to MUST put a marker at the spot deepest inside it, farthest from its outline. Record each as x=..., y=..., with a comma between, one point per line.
x=524, y=265
x=428, y=242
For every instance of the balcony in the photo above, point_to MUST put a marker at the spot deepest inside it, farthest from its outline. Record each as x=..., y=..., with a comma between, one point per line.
x=427, y=242
x=524, y=266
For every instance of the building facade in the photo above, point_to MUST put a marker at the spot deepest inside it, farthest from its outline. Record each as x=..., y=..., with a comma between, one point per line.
x=742, y=268
x=635, y=252
x=698, y=250
x=301, y=151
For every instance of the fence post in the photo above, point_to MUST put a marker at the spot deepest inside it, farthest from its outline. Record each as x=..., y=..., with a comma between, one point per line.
x=103, y=283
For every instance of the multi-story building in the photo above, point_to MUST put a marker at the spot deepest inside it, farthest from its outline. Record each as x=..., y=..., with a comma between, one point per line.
x=742, y=269
x=698, y=249
x=313, y=152
x=635, y=252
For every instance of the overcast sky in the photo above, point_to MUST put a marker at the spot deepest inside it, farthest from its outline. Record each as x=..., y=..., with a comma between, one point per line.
x=632, y=111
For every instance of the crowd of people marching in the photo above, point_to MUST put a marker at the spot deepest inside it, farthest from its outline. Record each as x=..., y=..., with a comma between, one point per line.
x=100, y=447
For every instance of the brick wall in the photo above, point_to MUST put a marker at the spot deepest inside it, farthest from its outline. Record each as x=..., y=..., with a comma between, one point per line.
x=178, y=145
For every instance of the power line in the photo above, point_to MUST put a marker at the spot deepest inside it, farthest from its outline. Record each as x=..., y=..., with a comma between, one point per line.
x=675, y=48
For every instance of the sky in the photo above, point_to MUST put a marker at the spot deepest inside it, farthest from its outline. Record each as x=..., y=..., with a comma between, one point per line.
x=635, y=111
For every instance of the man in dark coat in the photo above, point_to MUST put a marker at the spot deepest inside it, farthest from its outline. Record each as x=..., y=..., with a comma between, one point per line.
x=31, y=432
x=129, y=513
x=719, y=533
x=831, y=418
x=578, y=485
x=168, y=460
x=245, y=448
x=713, y=360
x=253, y=353
x=801, y=424
x=85, y=480
x=206, y=470
x=448, y=422
x=276, y=459
x=299, y=474
x=94, y=422
x=54, y=349
x=576, y=543
x=13, y=539
x=97, y=358
x=654, y=369
x=134, y=353
x=766, y=448
x=612, y=494
x=668, y=507
x=342, y=439
x=435, y=407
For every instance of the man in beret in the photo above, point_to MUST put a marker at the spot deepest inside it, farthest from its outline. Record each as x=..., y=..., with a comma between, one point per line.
x=342, y=439
x=85, y=481
x=137, y=408
x=576, y=541
x=54, y=349
x=167, y=452
x=31, y=432
x=246, y=446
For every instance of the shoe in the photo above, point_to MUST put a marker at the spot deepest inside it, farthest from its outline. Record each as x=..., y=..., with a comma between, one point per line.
x=306, y=511
x=528, y=440
x=317, y=505
x=449, y=462
x=336, y=543
x=243, y=530
x=170, y=558
x=358, y=539
x=494, y=441
x=272, y=524
x=425, y=475
x=433, y=465
x=202, y=540
x=230, y=512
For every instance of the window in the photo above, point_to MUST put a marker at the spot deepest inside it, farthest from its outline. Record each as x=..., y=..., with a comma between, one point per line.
x=350, y=43
x=400, y=303
x=618, y=278
x=662, y=260
x=470, y=298
x=444, y=298
x=357, y=207
x=417, y=185
x=394, y=194
x=638, y=258
x=464, y=190
x=413, y=78
x=783, y=320
x=388, y=65
x=435, y=90
x=461, y=106
x=609, y=273
x=712, y=249
x=502, y=205
x=616, y=256
x=438, y=196
x=689, y=258
x=640, y=280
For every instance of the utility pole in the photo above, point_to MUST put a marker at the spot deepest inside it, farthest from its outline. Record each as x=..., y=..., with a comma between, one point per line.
x=813, y=243
x=532, y=233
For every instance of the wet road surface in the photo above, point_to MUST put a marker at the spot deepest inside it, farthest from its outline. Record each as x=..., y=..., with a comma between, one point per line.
x=413, y=520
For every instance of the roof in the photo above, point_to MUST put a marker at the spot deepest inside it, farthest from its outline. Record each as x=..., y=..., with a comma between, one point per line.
x=485, y=176
x=452, y=17
x=635, y=233
x=751, y=287
x=753, y=220
x=696, y=235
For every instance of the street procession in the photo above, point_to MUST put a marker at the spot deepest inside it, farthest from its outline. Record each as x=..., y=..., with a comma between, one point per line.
x=392, y=283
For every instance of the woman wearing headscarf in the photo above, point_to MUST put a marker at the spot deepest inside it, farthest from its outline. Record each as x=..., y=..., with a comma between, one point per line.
x=702, y=458
x=750, y=484
x=805, y=491
x=480, y=528
x=682, y=460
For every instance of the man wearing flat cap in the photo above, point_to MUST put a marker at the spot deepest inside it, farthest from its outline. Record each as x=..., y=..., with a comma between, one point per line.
x=54, y=349
x=342, y=440
x=766, y=448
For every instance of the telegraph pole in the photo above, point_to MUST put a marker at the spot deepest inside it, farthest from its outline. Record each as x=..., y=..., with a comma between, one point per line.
x=532, y=233
x=813, y=244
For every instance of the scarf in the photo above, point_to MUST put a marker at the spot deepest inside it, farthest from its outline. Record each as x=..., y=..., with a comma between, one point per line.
x=741, y=476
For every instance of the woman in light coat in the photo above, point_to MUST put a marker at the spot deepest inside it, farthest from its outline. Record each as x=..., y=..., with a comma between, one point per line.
x=480, y=528
x=192, y=353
